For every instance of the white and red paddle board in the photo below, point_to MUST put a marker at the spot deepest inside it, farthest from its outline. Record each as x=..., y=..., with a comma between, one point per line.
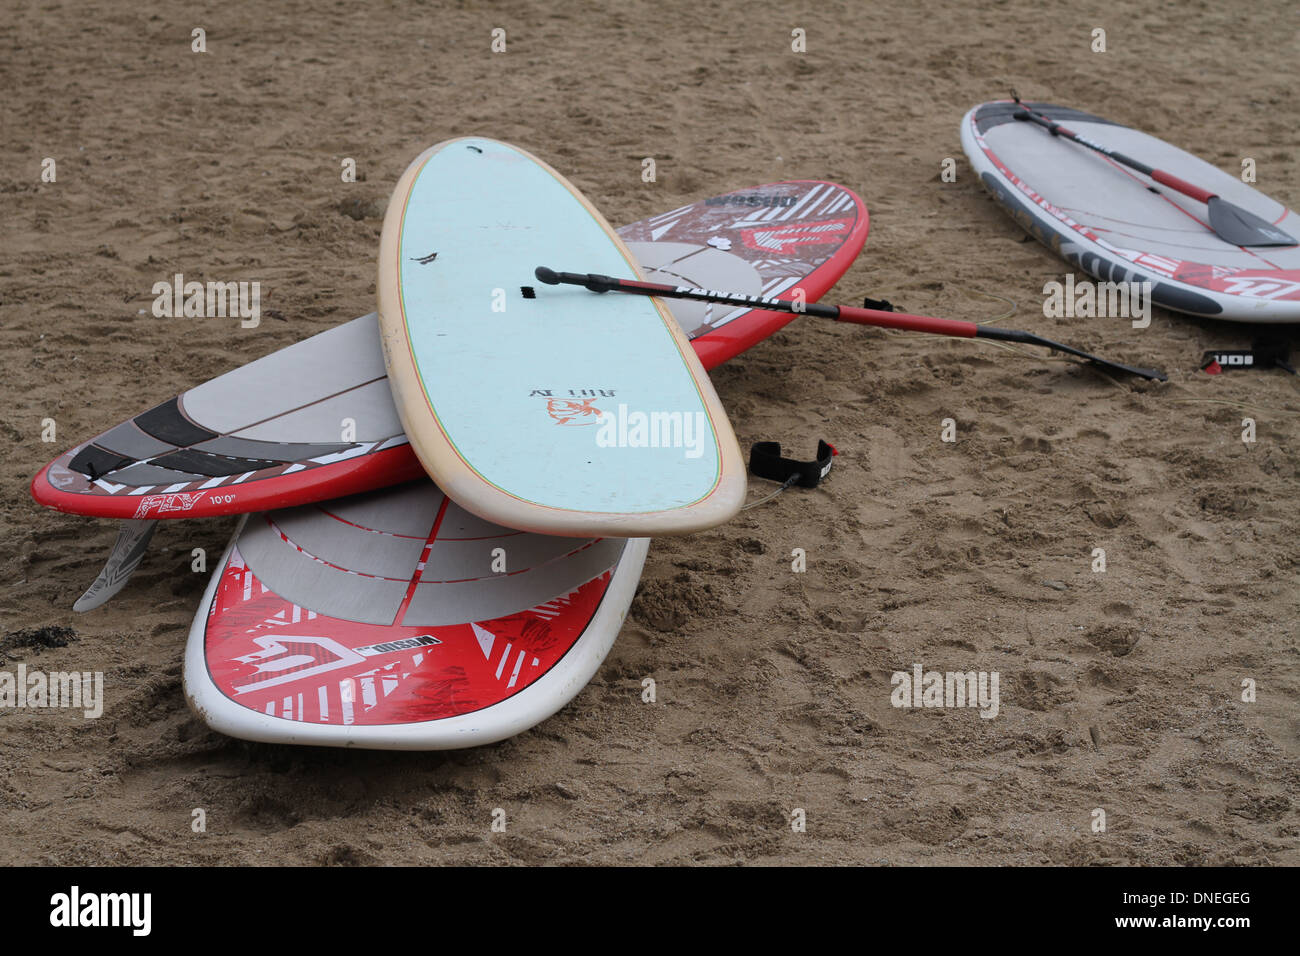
x=316, y=420
x=1119, y=225
x=396, y=619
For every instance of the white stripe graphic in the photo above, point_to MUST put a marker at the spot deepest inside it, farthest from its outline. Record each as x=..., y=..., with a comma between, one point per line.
x=803, y=202
x=519, y=662
x=657, y=232
x=345, y=693
x=504, y=656
x=821, y=204
x=844, y=201
x=668, y=215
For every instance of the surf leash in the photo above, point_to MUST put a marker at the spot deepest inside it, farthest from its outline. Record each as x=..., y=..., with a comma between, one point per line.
x=765, y=461
x=1232, y=223
x=839, y=313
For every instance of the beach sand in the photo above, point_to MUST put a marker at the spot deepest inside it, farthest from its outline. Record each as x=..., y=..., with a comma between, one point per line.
x=1120, y=691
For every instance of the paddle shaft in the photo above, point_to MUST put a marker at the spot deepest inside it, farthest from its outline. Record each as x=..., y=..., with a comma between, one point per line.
x=1159, y=175
x=838, y=313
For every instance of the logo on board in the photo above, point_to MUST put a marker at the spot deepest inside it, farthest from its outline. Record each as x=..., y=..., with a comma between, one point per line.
x=163, y=504
x=752, y=199
x=573, y=406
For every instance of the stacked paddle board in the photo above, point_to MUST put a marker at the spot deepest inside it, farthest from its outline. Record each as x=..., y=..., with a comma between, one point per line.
x=399, y=618
x=447, y=504
x=316, y=420
x=499, y=387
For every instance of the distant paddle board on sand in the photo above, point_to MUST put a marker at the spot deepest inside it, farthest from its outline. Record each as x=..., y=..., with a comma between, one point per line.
x=1119, y=225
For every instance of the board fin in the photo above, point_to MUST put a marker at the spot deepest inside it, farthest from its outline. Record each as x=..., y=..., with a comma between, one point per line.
x=132, y=542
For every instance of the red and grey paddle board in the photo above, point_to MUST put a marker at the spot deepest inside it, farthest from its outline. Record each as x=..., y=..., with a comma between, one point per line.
x=316, y=420
x=1119, y=225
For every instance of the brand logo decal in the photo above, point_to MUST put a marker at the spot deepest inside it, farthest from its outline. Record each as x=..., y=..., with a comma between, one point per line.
x=163, y=504
x=573, y=406
x=752, y=199
x=403, y=644
x=1261, y=288
x=283, y=659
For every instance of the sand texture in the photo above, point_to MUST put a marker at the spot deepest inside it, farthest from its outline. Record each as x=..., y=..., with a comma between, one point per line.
x=1119, y=690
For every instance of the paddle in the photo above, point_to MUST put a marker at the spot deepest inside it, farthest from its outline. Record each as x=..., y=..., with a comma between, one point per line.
x=886, y=320
x=1232, y=223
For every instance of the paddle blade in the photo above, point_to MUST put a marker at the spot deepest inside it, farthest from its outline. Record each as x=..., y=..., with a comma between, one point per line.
x=1241, y=228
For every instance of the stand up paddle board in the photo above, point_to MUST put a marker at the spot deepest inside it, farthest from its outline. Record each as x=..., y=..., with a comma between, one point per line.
x=412, y=624
x=552, y=411
x=775, y=239
x=1120, y=225
x=397, y=620
x=271, y=434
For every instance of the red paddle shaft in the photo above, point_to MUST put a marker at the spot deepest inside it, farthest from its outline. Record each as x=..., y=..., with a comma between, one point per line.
x=1159, y=175
x=840, y=313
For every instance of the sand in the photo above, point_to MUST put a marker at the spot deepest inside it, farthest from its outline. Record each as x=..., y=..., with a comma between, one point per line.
x=1121, y=691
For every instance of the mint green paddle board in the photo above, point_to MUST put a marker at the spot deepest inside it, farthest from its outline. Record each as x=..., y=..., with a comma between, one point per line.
x=551, y=410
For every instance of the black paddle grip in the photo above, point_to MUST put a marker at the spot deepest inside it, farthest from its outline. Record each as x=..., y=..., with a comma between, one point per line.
x=592, y=281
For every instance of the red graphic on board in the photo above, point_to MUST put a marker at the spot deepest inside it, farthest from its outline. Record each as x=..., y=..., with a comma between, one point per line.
x=276, y=658
x=570, y=411
x=788, y=237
